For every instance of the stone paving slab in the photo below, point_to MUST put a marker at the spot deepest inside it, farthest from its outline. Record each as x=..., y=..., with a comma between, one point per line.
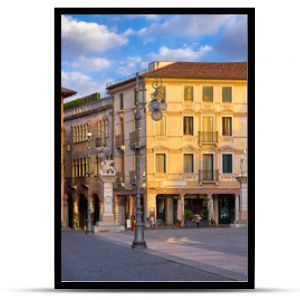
x=93, y=258
x=192, y=254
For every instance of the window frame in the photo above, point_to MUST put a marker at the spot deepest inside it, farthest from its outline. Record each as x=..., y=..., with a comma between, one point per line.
x=222, y=163
x=231, y=129
x=165, y=162
x=183, y=125
x=203, y=88
x=193, y=163
x=224, y=87
x=184, y=93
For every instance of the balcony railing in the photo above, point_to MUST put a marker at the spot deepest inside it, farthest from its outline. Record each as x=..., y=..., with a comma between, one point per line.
x=208, y=176
x=208, y=137
x=132, y=138
x=119, y=141
x=132, y=177
x=100, y=142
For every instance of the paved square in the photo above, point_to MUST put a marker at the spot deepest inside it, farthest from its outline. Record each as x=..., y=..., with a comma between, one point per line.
x=198, y=254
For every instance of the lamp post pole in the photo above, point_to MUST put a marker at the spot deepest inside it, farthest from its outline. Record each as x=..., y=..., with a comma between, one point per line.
x=138, y=241
x=89, y=229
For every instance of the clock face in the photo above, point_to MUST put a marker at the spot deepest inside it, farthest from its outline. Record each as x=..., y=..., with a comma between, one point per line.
x=107, y=200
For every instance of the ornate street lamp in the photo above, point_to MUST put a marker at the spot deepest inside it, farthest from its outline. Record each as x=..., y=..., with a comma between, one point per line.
x=89, y=229
x=157, y=104
x=139, y=241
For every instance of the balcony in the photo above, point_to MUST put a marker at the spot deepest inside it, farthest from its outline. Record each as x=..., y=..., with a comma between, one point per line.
x=208, y=176
x=132, y=138
x=119, y=141
x=132, y=177
x=100, y=142
x=208, y=137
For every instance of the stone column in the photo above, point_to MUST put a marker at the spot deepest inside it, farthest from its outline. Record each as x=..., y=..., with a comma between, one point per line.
x=210, y=207
x=169, y=211
x=182, y=207
x=108, y=216
x=237, y=209
x=116, y=205
x=244, y=202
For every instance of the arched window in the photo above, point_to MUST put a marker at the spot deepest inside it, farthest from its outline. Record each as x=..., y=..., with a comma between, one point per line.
x=86, y=132
x=77, y=134
x=76, y=170
x=74, y=135
x=98, y=129
x=73, y=168
x=106, y=128
x=102, y=131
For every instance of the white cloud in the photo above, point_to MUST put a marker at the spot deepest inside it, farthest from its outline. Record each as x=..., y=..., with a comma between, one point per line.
x=185, y=25
x=80, y=36
x=147, y=17
x=83, y=84
x=91, y=64
x=180, y=54
x=132, y=65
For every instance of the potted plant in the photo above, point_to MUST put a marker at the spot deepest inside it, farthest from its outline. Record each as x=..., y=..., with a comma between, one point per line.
x=178, y=223
x=188, y=217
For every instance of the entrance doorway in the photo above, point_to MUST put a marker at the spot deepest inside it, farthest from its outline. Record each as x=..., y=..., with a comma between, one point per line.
x=82, y=207
x=226, y=209
x=96, y=209
x=166, y=208
x=70, y=211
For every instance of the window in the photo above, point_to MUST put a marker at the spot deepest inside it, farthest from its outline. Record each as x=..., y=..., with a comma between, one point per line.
x=188, y=163
x=121, y=102
x=227, y=163
x=227, y=126
x=208, y=94
x=161, y=126
x=188, y=126
x=188, y=93
x=106, y=128
x=227, y=94
x=160, y=163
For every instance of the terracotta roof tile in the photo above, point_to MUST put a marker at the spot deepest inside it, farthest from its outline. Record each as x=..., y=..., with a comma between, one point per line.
x=202, y=70
x=67, y=92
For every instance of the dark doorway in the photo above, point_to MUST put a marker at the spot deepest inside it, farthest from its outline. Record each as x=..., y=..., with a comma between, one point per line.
x=70, y=211
x=226, y=209
x=96, y=209
x=166, y=209
x=82, y=211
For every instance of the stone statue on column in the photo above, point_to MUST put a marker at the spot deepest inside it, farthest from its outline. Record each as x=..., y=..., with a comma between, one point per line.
x=108, y=176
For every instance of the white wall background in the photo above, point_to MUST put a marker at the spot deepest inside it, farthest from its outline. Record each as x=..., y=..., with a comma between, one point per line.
x=27, y=147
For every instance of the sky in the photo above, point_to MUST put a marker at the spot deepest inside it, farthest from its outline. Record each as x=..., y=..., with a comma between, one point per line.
x=97, y=49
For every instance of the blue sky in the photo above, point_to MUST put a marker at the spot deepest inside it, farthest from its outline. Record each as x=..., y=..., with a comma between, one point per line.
x=101, y=48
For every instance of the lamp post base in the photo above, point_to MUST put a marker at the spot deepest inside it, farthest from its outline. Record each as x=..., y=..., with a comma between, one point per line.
x=138, y=245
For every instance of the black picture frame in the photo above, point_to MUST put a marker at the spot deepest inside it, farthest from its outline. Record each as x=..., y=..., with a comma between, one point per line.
x=168, y=285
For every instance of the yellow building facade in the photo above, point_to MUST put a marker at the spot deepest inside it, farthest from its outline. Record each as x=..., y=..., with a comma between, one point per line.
x=193, y=154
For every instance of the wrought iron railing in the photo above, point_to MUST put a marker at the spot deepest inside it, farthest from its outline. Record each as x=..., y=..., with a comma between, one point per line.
x=208, y=137
x=208, y=176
